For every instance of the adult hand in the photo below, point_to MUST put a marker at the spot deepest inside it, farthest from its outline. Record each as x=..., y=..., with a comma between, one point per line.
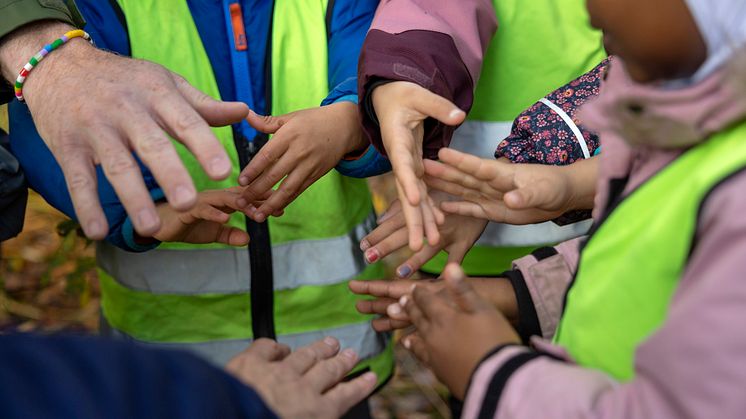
x=457, y=235
x=401, y=109
x=306, y=383
x=511, y=193
x=306, y=145
x=455, y=329
x=387, y=294
x=93, y=107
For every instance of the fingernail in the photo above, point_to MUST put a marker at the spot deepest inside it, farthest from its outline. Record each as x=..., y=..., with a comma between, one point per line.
x=259, y=217
x=407, y=343
x=370, y=377
x=411, y=289
x=330, y=341
x=95, y=229
x=220, y=166
x=371, y=256
x=349, y=353
x=404, y=271
x=394, y=309
x=242, y=202
x=364, y=245
x=183, y=195
x=403, y=301
x=243, y=180
x=456, y=113
x=147, y=218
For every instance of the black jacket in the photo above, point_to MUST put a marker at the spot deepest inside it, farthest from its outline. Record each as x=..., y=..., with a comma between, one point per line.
x=13, y=192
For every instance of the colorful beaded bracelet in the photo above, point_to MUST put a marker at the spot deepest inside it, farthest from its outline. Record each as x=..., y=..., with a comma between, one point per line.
x=36, y=59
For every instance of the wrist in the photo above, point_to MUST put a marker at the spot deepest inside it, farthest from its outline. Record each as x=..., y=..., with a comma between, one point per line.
x=501, y=294
x=20, y=45
x=356, y=143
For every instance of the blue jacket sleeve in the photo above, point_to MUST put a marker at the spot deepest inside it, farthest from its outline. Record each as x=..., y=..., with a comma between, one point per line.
x=84, y=377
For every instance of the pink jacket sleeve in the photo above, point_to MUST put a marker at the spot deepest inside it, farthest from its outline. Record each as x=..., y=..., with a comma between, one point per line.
x=438, y=44
x=694, y=366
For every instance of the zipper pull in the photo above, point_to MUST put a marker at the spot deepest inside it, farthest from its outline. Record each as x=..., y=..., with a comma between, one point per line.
x=239, y=32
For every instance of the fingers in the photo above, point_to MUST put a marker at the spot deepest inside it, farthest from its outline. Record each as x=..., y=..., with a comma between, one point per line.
x=438, y=107
x=414, y=263
x=464, y=180
x=344, y=396
x=417, y=345
x=468, y=209
x=215, y=113
x=267, y=124
x=498, y=173
x=80, y=177
x=415, y=314
x=406, y=160
x=377, y=306
x=382, y=289
x=428, y=302
x=232, y=236
x=327, y=373
x=393, y=242
x=413, y=217
x=306, y=357
x=290, y=188
x=393, y=210
x=387, y=324
x=461, y=291
x=430, y=220
x=124, y=175
x=186, y=125
x=267, y=349
x=256, y=173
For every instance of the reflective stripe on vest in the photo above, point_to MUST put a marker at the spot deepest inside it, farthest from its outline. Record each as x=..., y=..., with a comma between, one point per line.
x=360, y=337
x=201, y=296
x=632, y=264
x=304, y=262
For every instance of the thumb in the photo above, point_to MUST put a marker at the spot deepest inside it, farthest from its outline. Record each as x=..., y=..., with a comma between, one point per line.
x=528, y=197
x=267, y=124
x=463, y=293
x=438, y=107
x=215, y=112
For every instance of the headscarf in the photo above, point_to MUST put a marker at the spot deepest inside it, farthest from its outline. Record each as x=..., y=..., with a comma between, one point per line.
x=722, y=23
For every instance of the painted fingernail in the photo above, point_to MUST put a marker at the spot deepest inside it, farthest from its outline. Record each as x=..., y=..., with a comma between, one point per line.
x=349, y=353
x=183, y=195
x=243, y=180
x=95, y=229
x=404, y=271
x=220, y=166
x=147, y=218
x=371, y=256
x=330, y=341
x=393, y=309
x=403, y=301
x=364, y=245
x=407, y=343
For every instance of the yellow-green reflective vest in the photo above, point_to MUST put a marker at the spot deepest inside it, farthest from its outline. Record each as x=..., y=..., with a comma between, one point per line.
x=632, y=263
x=197, y=296
x=539, y=46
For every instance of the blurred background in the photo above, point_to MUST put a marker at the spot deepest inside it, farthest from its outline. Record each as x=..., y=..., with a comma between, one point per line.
x=48, y=283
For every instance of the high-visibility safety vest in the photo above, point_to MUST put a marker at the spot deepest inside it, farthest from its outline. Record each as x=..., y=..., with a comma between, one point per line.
x=197, y=297
x=633, y=261
x=539, y=46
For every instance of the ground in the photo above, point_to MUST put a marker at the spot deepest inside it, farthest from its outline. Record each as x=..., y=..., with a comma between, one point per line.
x=48, y=283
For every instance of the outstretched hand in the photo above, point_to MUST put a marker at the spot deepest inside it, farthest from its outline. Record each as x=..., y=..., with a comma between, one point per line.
x=114, y=106
x=401, y=109
x=455, y=329
x=511, y=193
x=306, y=145
x=307, y=383
x=457, y=235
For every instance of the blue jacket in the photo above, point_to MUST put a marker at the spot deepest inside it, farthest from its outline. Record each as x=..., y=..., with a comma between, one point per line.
x=83, y=377
x=350, y=20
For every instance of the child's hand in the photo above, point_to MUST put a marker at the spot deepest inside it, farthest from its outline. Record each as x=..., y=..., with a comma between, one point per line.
x=306, y=145
x=402, y=108
x=455, y=330
x=457, y=235
x=511, y=193
x=498, y=291
x=204, y=223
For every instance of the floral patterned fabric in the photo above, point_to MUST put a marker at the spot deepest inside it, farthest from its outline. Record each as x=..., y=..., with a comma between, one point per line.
x=540, y=135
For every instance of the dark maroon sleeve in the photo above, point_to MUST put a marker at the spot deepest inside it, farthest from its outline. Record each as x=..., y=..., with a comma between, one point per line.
x=429, y=59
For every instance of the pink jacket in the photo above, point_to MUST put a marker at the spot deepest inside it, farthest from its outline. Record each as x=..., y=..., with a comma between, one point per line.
x=694, y=366
x=438, y=44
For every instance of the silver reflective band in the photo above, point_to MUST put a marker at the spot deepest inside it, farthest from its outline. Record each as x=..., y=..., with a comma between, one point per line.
x=570, y=123
x=361, y=337
x=227, y=271
x=480, y=138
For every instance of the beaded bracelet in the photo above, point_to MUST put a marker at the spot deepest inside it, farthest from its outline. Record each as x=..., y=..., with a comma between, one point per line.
x=36, y=59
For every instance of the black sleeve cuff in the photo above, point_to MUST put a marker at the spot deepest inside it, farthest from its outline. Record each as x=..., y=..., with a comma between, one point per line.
x=528, y=320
